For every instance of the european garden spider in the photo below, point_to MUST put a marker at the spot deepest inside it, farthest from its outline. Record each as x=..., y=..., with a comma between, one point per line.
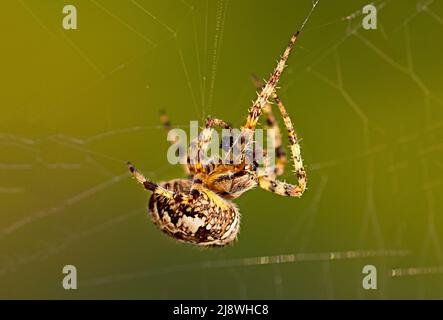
x=198, y=209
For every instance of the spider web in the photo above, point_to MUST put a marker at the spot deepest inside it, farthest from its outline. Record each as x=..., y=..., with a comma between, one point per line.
x=373, y=188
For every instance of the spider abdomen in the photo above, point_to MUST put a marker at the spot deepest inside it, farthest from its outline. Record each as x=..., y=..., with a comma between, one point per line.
x=198, y=217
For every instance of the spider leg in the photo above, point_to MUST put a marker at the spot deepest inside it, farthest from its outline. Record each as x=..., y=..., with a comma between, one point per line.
x=148, y=184
x=282, y=188
x=269, y=87
x=164, y=119
x=154, y=187
x=271, y=123
x=199, y=146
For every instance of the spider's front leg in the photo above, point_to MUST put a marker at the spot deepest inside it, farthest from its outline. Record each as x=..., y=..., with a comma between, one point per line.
x=191, y=213
x=271, y=123
x=269, y=87
x=269, y=182
x=263, y=97
x=282, y=188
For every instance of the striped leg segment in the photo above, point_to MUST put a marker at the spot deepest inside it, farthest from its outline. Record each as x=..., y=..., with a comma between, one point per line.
x=279, y=187
x=149, y=185
x=271, y=123
x=266, y=92
x=269, y=181
x=293, y=142
x=155, y=188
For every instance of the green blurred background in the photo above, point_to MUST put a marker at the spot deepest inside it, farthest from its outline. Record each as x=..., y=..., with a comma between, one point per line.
x=77, y=104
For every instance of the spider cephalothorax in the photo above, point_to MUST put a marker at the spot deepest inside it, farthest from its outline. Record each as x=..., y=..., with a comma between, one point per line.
x=197, y=210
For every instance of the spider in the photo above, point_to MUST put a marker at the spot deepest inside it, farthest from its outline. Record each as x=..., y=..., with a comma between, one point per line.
x=198, y=210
